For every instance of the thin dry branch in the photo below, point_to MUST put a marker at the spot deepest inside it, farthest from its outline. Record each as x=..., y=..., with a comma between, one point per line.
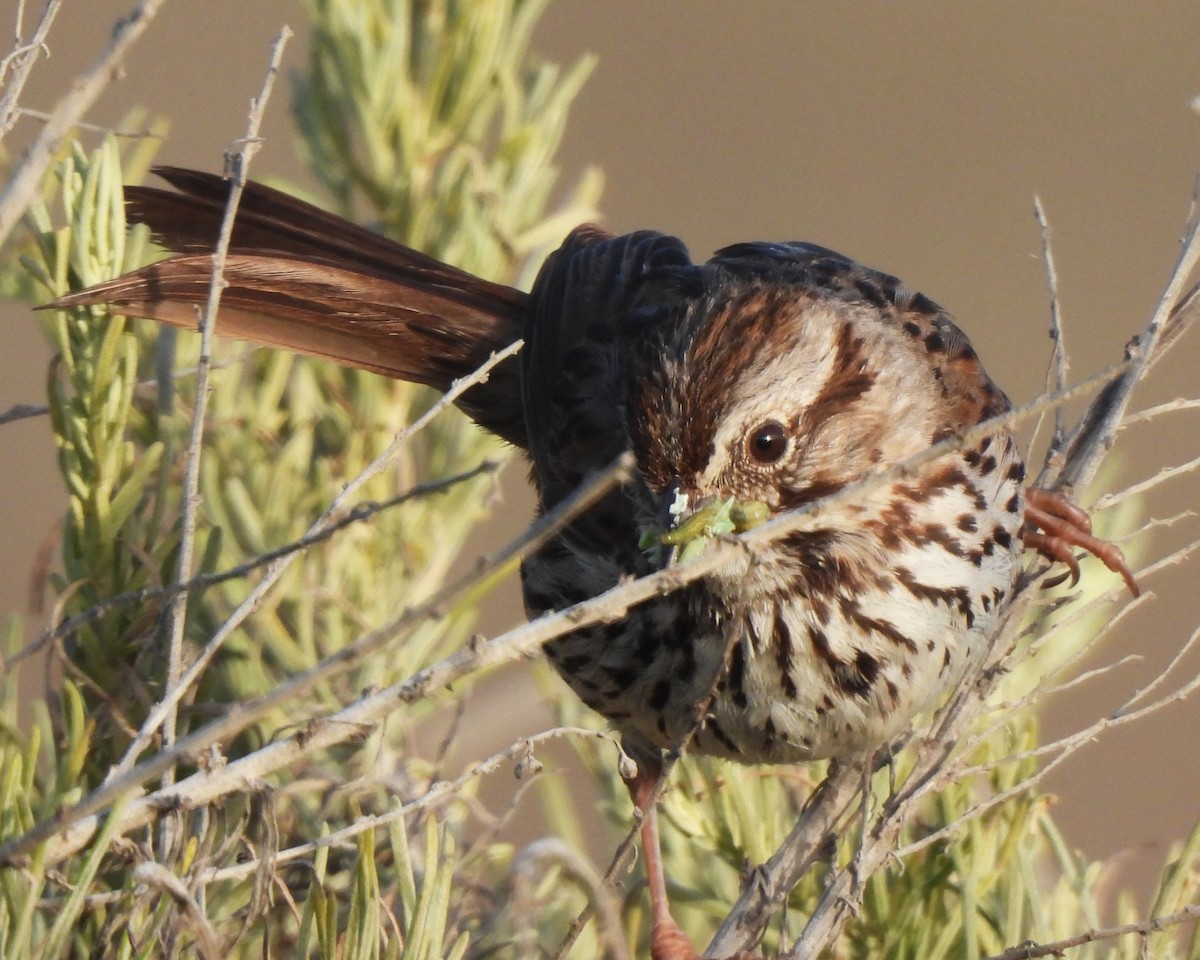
x=25, y=182
x=1031, y=951
x=1059, y=367
x=239, y=160
x=1150, y=413
x=1058, y=751
x=21, y=62
x=438, y=794
x=1167, y=473
x=143, y=134
x=1096, y=431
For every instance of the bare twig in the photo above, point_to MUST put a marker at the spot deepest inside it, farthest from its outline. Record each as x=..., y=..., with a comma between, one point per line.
x=191, y=480
x=1056, y=373
x=1059, y=749
x=438, y=794
x=24, y=184
x=1094, y=434
x=1031, y=951
x=1167, y=473
x=1150, y=413
x=144, y=134
x=23, y=411
x=21, y=62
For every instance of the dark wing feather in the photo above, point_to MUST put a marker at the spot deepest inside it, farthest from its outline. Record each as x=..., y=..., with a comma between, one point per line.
x=572, y=365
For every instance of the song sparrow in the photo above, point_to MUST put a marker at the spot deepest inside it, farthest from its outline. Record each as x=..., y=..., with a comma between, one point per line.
x=769, y=377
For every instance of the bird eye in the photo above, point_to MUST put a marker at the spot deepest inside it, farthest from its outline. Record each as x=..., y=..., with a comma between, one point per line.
x=768, y=442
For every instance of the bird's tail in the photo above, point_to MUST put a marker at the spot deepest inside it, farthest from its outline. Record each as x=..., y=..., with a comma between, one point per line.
x=308, y=281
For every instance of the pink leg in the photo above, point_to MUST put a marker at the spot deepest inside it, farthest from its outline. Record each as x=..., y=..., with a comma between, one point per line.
x=1054, y=525
x=667, y=941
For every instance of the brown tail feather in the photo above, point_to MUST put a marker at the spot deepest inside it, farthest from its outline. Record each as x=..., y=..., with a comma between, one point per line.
x=305, y=280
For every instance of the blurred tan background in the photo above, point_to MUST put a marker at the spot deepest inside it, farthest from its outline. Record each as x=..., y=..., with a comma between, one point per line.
x=911, y=136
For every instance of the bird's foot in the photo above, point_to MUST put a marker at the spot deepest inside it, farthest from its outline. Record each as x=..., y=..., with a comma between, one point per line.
x=668, y=942
x=1054, y=526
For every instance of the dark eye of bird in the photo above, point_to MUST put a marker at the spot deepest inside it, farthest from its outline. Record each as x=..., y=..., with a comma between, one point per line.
x=768, y=442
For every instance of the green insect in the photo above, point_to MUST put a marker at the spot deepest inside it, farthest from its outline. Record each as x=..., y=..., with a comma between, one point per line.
x=716, y=519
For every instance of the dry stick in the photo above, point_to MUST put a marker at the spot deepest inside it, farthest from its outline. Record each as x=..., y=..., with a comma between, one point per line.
x=1171, y=406
x=1166, y=473
x=1056, y=373
x=1005, y=712
x=23, y=411
x=240, y=161
x=1097, y=428
x=144, y=134
x=1044, y=634
x=1063, y=749
x=75, y=825
x=25, y=55
x=1158, y=681
x=444, y=402
x=25, y=182
x=1171, y=559
x=529, y=868
x=1084, y=450
x=1031, y=951
x=438, y=793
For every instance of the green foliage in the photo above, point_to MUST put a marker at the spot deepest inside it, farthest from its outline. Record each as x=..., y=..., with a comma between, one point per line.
x=430, y=119
x=112, y=541
x=282, y=435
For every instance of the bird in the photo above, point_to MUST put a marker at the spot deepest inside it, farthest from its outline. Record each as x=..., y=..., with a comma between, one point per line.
x=765, y=379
